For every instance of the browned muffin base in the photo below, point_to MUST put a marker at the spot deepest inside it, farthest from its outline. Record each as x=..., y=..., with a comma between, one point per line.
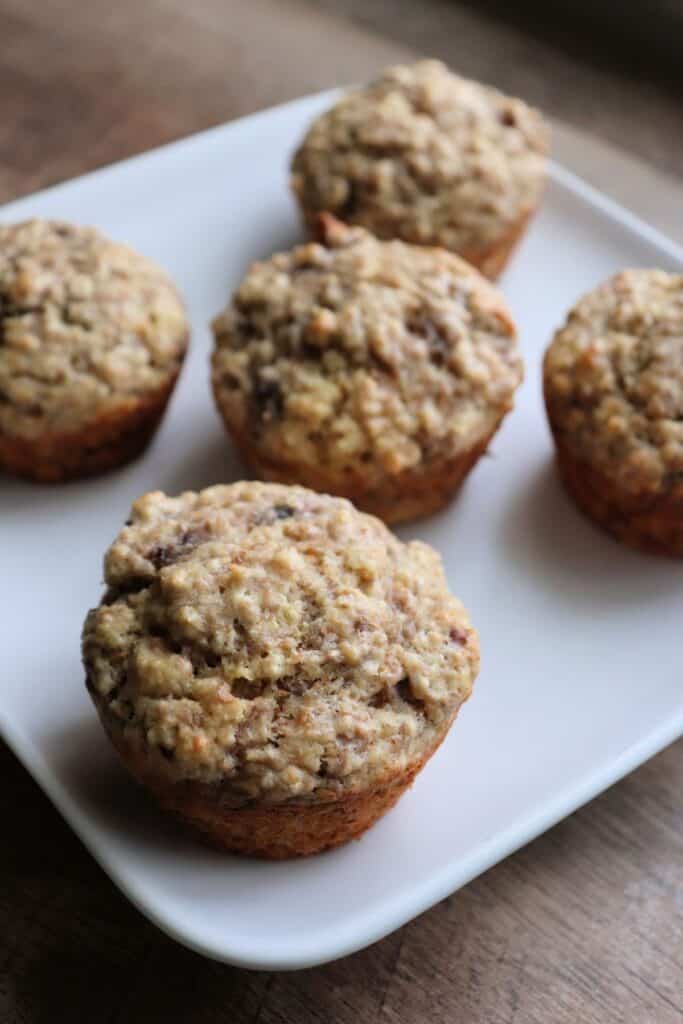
x=268, y=831
x=651, y=522
x=109, y=441
x=490, y=261
x=412, y=494
x=493, y=260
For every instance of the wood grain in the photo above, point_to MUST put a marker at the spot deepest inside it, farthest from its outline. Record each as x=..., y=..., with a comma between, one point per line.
x=584, y=925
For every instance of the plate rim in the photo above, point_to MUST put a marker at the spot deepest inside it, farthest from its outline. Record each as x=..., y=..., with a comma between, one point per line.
x=330, y=943
x=559, y=174
x=399, y=910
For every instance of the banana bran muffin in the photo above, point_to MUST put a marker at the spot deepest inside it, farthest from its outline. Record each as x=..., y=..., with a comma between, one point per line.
x=424, y=155
x=378, y=371
x=274, y=665
x=613, y=382
x=92, y=338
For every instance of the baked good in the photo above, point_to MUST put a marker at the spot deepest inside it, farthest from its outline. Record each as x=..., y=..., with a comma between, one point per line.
x=272, y=664
x=613, y=381
x=374, y=370
x=92, y=337
x=427, y=156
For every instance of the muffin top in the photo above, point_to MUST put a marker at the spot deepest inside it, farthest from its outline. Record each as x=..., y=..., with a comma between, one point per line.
x=86, y=326
x=275, y=640
x=364, y=353
x=424, y=155
x=614, y=379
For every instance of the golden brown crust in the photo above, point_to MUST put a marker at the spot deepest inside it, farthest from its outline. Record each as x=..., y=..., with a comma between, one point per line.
x=650, y=521
x=88, y=328
x=424, y=155
x=270, y=831
x=276, y=641
x=490, y=260
x=412, y=494
x=493, y=260
x=274, y=665
x=372, y=370
x=613, y=386
x=115, y=437
x=613, y=377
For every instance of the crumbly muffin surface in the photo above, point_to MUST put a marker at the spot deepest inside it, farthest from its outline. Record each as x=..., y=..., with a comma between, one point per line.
x=364, y=356
x=86, y=325
x=275, y=640
x=614, y=379
x=424, y=155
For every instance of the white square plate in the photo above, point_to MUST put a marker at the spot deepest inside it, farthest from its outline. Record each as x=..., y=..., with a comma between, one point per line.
x=582, y=667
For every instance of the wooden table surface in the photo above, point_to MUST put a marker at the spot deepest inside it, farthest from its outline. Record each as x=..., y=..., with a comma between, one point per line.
x=583, y=925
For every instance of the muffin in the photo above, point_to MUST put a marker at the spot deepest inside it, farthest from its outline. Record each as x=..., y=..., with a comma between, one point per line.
x=378, y=371
x=273, y=665
x=92, y=338
x=428, y=157
x=613, y=381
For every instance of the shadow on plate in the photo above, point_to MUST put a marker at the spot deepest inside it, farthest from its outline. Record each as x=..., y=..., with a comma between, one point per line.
x=214, y=461
x=546, y=535
x=32, y=499
x=276, y=229
x=281, y=239
x=83, y=760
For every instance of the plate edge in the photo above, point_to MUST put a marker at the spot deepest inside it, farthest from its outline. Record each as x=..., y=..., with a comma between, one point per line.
x=480, y=860
x=486, y=854
x=559, y=174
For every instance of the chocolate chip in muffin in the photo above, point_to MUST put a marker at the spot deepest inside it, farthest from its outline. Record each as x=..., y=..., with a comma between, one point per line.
x=458, y=636
x=283, y=511
x=269, y=399
x=424, y=327
x=405, y=692
x=167, y=554
x=351, y=202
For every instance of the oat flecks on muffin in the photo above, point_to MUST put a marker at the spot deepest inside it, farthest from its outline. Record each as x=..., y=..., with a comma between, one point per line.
x=87, y=327
x=275, y=641
x=613, y=385
x=363, y=360
x=425, y=155
x=614, y=379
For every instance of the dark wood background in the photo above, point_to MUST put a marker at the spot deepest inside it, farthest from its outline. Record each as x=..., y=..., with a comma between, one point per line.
x=586, y=923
